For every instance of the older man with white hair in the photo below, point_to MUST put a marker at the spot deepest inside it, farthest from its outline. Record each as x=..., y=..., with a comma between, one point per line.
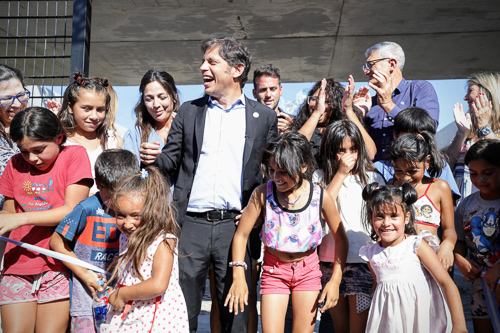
x=384, y=68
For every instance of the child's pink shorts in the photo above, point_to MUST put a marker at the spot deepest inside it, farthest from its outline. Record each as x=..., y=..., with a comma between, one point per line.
x=41, y=288
x=280, y=277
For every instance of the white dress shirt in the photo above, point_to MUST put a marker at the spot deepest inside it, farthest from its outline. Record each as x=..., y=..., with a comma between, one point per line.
x=218, y=180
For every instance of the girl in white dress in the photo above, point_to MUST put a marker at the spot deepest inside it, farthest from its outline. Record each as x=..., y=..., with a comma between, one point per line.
x=407, y=297
x=147, y=297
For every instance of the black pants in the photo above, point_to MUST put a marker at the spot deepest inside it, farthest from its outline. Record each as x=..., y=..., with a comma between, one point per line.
x=203, y=243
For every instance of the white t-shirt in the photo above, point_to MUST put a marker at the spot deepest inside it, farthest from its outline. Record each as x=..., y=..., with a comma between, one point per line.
x=351, y=213
x=93, y=155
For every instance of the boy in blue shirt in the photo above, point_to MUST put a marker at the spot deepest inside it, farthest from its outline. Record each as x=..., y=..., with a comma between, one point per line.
x=89, y=233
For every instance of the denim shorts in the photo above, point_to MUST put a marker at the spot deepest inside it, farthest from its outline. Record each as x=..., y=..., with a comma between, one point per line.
x=357, y=279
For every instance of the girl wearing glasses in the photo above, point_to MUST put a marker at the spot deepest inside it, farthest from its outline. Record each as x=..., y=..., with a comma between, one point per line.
x=323, y=106
x=333, y=92
x=13, y=98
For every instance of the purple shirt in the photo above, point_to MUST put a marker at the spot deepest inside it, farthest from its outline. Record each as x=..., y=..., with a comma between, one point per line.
x=379, y=124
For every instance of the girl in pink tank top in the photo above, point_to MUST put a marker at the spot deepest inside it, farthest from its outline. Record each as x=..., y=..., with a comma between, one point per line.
x=293, y=209
x=411, y=155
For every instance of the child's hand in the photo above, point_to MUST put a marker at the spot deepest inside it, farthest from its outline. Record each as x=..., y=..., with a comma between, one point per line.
x=446, y=258
x=347, y=162
x=330, y=296
x=115, y=300
x=237, y=297
x=90, y=280
x=491, y=276
x=9, y=222
x=469, y=268
x=258, y=222
x=238, y=217
x=53, y=105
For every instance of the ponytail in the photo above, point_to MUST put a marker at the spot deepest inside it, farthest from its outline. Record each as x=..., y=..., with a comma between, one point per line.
x=157, y=215
x=71, y=96
x=416, y=148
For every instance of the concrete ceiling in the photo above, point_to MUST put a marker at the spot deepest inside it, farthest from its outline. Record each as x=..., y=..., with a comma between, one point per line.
x=307, y=40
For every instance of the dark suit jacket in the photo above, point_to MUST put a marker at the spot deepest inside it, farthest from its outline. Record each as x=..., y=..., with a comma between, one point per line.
x=180, y=155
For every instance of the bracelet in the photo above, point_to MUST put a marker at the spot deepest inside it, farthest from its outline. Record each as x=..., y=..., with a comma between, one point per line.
x=238, y=263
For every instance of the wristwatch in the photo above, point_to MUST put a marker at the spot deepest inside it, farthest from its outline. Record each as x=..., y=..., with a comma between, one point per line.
x=483, y=131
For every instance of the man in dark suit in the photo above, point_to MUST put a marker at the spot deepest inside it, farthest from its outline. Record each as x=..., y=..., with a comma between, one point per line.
x=212, y=150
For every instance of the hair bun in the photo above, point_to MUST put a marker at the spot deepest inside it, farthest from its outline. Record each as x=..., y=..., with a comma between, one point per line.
x=77, y=76
x=79, y=79
x=369, y=189
x=104, y=82
x=410, y=195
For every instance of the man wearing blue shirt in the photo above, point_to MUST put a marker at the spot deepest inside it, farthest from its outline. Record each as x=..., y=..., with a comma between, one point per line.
x=384, y=68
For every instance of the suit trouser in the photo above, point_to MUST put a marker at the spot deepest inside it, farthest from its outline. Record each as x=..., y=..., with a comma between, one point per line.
x=203, y=243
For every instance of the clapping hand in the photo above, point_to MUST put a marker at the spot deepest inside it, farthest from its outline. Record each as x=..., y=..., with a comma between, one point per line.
x=481, y=109
x=362, y=100
x=320, y=107
x=348, y=96
x=462, y=120
x=383, y=88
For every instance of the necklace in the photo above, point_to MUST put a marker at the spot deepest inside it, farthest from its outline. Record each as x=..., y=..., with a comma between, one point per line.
x=288, y=202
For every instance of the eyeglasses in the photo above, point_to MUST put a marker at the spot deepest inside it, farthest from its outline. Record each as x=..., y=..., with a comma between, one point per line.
x=369, y=64
x=311, y=99
x=314, y=99
x=9, y=100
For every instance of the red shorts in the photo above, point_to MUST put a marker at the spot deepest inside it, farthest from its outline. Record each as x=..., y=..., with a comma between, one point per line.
x=280, y=277
x=41, y=288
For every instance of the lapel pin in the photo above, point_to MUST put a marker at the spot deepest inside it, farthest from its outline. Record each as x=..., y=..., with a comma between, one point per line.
x=256, y=115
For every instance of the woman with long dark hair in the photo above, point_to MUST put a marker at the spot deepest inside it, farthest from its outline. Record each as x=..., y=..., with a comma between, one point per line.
x=155, y=111
x=326, y=102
